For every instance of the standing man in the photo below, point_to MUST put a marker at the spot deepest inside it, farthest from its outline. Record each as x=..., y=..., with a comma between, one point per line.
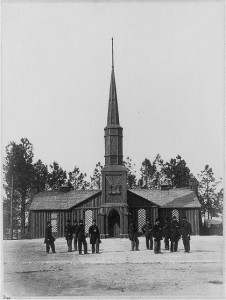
x=94, y=237
x=166, y=233
x=75, y=234
x=49, y=238
x=174, y=234
x=133, y=236
x=69, y=235
x=81, y=238
x=147, y=230
x=157, y=233
x=186, y=232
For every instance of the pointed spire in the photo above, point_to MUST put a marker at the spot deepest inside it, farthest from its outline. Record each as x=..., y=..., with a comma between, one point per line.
x=112, y=53
x=113, y=115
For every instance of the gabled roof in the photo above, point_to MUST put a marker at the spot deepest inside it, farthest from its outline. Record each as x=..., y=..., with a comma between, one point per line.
x=177, y=198
x=57, y=200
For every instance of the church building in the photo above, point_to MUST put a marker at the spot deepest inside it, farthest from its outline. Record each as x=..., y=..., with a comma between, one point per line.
x=114, y=206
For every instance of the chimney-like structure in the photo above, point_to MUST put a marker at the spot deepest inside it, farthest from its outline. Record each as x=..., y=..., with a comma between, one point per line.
x=114, y=190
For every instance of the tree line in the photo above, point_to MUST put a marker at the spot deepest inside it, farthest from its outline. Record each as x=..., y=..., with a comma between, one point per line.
x=23, y=178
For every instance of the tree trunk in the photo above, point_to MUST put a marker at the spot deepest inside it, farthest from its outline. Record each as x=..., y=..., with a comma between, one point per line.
x=208, y=204
x=23, y=214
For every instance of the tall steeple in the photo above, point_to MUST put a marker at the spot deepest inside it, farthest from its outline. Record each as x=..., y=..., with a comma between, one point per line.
x=113, y=130
x=113, y=115
x=114, y=205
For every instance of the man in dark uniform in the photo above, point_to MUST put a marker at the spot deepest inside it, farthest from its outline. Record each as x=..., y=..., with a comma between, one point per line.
x=186, y=231
x=75, y=234
x=166, y=233
x=133, y=236
x=69, y=235
x=174, y=234
x=82, y=238
x=147, y=230
x=94, y=237
x=157, y=234
x=49, y=238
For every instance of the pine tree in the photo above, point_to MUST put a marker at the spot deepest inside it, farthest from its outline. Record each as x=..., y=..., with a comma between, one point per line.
x=147, y=171
x=131, y=173
x=77, y=179
x=96, y=179
x=18, y=174
x=56, y=177
x=211, y=201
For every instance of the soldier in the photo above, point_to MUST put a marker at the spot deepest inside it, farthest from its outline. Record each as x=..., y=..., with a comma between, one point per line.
x=174, y=234
x=166, y=233
x=94, y=237
x=147, y=230
x=75, y=234
x=186, y=232
x=69, y=235
x=49, y=238
x=157, y=234
x=81, y=238
x=133, y=235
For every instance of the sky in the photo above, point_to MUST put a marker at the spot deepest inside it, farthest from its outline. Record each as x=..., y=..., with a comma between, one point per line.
x=169, y=70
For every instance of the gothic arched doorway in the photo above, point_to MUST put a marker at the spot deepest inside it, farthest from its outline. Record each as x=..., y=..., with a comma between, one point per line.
x=114, y=224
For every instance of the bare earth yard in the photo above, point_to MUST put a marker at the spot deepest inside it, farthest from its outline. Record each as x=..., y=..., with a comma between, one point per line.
x=115, y=272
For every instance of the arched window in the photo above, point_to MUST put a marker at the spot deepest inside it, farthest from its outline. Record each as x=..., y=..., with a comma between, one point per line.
x=88, y=219
x=175, y=213
x=141, y=218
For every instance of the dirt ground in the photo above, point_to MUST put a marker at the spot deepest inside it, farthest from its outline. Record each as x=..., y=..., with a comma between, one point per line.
x=115, y=272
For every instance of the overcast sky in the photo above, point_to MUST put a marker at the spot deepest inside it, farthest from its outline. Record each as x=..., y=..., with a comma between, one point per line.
x=169, y=69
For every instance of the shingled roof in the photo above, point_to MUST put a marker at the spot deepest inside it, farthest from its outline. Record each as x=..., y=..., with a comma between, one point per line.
x=57, y=200
x=175, y=198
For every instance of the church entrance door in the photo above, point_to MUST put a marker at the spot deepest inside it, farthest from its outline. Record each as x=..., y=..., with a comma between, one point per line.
x=114, y=224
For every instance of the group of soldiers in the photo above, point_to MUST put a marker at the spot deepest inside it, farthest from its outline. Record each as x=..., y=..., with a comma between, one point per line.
x=75, y=233
x=169, y=231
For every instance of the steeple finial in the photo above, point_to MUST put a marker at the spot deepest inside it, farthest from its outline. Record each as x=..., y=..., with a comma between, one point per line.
x=112, y=53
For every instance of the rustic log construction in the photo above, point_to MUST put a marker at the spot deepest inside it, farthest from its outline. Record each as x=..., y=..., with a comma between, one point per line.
x=114, y=206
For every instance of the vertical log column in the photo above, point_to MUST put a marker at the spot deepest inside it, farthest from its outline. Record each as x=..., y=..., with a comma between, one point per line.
x=126, y=214
x=102, y=224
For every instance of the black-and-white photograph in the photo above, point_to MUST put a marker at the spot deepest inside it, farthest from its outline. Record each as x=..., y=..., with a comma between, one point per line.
x=112, y=149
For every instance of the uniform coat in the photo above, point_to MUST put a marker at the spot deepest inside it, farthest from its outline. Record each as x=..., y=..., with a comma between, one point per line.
x=186, y=231
x=166, y=234
x=174, y=235
x=133, y=236
x=69, y=236
x=69, y=232
x=94, y=237
x=49, y=239
x=148, y=232
x=94, y=234
x=82, y=239
x=75, y=235
x=157, y=234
